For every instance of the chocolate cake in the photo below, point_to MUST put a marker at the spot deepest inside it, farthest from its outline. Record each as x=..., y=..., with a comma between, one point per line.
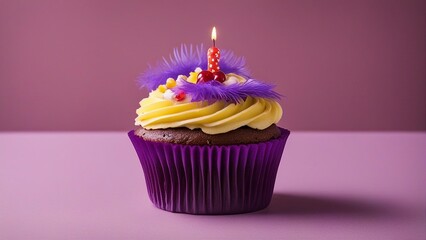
x=243, y=135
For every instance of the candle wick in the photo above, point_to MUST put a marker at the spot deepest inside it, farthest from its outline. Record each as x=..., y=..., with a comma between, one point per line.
x=214, y=43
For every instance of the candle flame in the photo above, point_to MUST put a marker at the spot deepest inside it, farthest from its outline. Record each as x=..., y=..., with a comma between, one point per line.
x=214, y=34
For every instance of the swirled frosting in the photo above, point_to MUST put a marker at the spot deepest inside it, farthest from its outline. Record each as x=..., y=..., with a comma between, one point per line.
x=157, y=112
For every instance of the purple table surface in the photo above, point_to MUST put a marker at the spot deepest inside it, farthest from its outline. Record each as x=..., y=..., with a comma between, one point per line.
x=83, y=185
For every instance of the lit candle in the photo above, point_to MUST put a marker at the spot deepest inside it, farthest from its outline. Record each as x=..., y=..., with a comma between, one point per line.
x=213, y=71
x=213, y=55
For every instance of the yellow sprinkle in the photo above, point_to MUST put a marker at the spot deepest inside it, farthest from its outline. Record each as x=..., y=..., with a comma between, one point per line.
x=192, y=77
x=162, y=88
x=170, y=83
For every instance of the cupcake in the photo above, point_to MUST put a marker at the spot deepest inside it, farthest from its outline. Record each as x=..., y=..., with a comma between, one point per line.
x=207, y=140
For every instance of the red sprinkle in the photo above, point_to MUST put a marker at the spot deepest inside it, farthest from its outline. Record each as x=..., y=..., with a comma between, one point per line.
x=180, y=96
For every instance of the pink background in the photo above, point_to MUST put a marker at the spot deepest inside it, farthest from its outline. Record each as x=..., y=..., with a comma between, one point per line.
x=342, y=65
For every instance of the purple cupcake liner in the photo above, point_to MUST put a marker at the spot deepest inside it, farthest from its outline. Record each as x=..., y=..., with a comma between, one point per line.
x=206, y=179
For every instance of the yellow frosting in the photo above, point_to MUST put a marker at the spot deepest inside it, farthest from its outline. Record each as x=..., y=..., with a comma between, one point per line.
x=157, y=112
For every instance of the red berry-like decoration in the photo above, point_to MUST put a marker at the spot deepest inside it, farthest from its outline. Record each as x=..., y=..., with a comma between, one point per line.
x=219, y=76
x=180, y=96
x=204, y=76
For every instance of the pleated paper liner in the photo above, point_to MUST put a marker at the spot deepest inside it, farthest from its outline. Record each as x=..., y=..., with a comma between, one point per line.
x=207, y=179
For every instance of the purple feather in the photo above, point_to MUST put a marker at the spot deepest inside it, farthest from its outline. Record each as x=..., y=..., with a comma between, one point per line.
x=185, y=60
x=214, y=90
